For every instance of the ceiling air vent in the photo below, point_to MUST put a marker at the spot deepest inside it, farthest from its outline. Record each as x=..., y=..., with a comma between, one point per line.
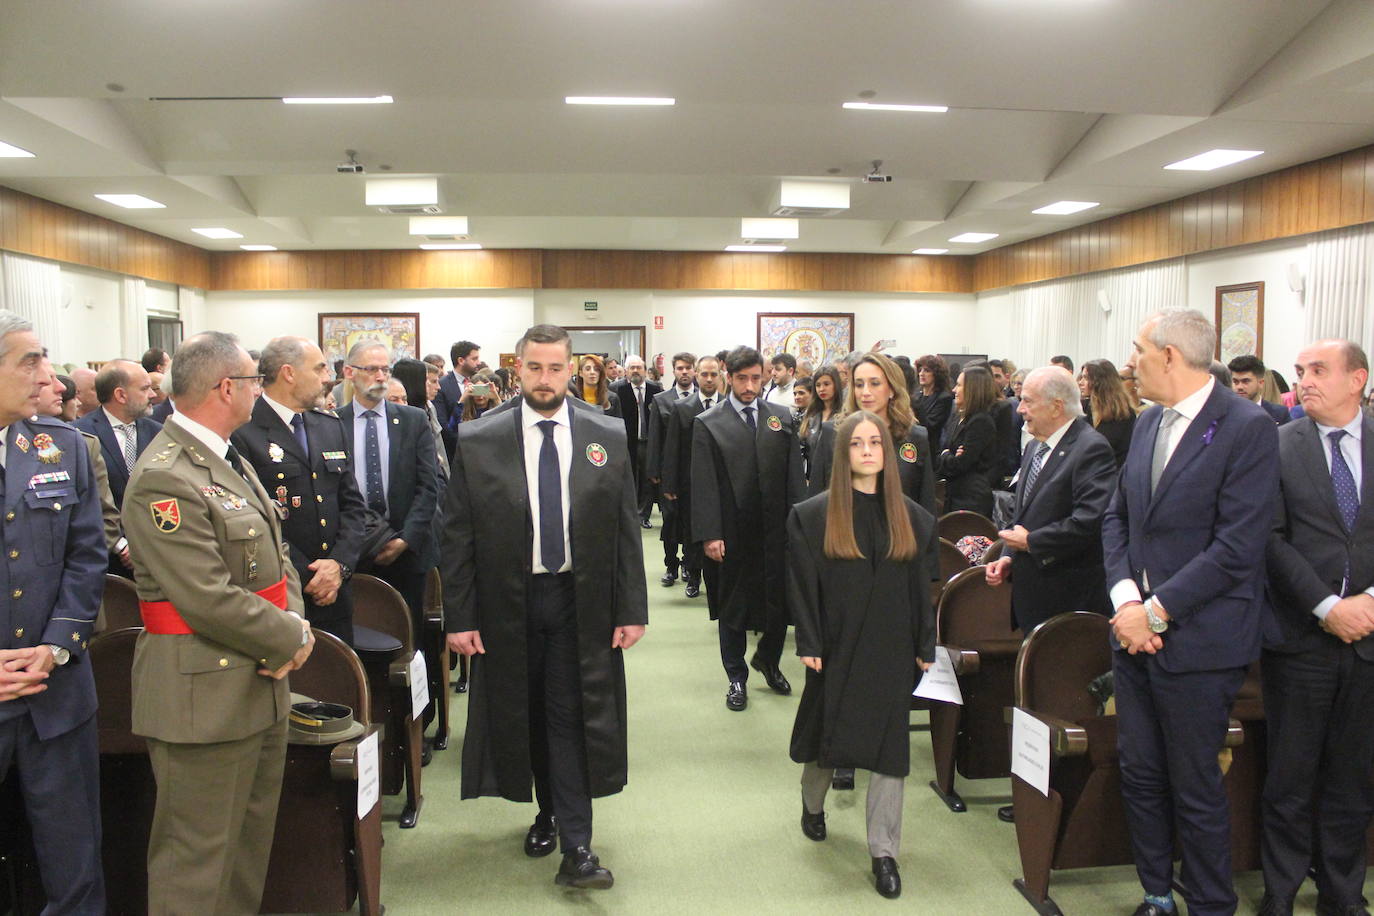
x=804, y=199
x=419, y=210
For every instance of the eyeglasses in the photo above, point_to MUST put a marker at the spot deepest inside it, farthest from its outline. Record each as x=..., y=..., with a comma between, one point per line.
x=254, y=379
x=371, y=370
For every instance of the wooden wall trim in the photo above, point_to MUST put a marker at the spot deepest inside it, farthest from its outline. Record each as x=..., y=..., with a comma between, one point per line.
x=31, y=225
x=1323, y=194
x=505, y=268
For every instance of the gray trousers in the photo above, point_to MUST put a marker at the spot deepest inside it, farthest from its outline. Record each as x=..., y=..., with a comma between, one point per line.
x=883, y=813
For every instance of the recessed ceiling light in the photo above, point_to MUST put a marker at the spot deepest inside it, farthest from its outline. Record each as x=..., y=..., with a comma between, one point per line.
x=931, y=251
x=974, y=237
x=1065, y=207
x=616, y=100
x=877, y=106
x=339, y=100
x=218, y=232
x=258, y=247
x=765, y=248
x=9, y=151
x=131, y=201
x=1214, y=159
x=438, y=225
x=452, y=246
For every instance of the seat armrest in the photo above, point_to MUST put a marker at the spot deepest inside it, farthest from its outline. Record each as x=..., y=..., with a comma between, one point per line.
x=1066, y=739
x=966, y=661
x=343, y=759
x=1235, y=734
x=398, y=672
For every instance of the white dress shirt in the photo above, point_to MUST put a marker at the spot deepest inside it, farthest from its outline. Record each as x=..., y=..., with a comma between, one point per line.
x=639, y=406
x=738, y=407
x=534, y=441
x=281, y=410
x=1126, y=590
x=782, y=395
x=4, y=444
x=1053, y=442
x=360, y=446
x=207, y=437
x=714, y=398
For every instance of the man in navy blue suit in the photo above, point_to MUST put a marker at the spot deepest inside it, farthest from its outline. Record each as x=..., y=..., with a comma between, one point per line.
x=448, y=403
x=1184, y=542
x=1247, y=380
x=52, y=575
x=122, y=425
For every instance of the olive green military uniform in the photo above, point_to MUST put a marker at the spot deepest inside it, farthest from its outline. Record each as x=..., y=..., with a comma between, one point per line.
x=206, y=539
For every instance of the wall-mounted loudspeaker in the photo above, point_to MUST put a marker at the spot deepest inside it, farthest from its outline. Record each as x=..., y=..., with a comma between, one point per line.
x=1105, y=301
x=1296, y=281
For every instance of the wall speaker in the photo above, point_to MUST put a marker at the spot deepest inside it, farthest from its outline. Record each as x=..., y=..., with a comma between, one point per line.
x=1296, y=281
x=1105, y=301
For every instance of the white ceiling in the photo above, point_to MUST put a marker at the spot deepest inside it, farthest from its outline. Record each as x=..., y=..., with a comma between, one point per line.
x=1050, y=100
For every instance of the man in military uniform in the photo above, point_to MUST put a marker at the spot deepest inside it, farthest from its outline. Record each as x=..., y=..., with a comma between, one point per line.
x=221, y=610
x=300, y=452
x=52, y=576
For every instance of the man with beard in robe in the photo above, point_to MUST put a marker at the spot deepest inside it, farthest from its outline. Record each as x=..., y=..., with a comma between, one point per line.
x=544, y=587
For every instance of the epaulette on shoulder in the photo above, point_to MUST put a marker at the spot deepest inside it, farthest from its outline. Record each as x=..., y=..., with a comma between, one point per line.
x=163, y=458
x=40, y=420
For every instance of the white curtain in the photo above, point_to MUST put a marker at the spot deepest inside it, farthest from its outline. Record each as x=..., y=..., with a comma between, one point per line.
x=1066, y=316
x=191, y=307
x=133, y=317
x=33, y=289
x=1340, y=282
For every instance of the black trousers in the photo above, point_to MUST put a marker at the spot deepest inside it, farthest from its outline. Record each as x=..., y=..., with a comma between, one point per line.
x=60, y=781
x=1170, y=728
x=733, y=643
x=670, y=534
x=644, y=490
x=558, y=747
x=1317, y=796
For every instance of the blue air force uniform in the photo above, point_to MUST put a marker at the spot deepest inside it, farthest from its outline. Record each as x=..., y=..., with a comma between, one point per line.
x=52, y=566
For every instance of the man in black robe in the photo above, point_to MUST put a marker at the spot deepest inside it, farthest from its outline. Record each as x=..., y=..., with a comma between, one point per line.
x=544, y=586
x=746, y=474
x=676, y=468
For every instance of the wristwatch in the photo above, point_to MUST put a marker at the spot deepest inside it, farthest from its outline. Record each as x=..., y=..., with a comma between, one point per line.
x=60, y=655
x=345, y=571
x=1157, y=623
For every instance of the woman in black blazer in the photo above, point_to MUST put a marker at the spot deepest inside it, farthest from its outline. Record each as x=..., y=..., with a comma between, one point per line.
x=933, y=401
x=970, y=455
x=1108, y=406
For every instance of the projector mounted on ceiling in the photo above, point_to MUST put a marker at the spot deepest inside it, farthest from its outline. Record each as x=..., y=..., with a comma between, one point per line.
x=877, y=176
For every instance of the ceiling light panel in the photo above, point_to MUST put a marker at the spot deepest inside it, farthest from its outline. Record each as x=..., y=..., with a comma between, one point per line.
x=1214, y=159
x=452, y=246
x=759, y=248
x=1065, y=207
x=218, y=232
x=339, y=100
x=401, y=192
x=974, y=237
x=630, y=100
x=931, y=251
x=438, y=225
x=879, y=106
x=10, y=151
x=131, y=201
x=770, y=228
x=258, y=247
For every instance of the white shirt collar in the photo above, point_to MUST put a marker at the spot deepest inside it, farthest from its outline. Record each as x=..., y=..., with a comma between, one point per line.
x=358, y=409
x=1355, y=428
x=529, y=417
x=286, y=413
x=206, y=436
x=1191, y=406
x=715, y=398
x=739, y=405
x=1054, y=438
x=114, y=421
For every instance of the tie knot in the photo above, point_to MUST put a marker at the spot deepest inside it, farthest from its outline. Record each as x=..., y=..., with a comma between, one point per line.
x=1335, y=436
x=547, y=427
x=299, y=420
x=1044, y=447
x=367, y=413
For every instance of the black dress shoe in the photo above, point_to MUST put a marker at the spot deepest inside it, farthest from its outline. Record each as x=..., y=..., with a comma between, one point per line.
x=426, y=751
x=542, y=837
x=668, y=578
x=885, y=875
x=460, y=685
x=813, y=825
x=1326, y=908
x=843, y=780
x=737, y=697
x=1274, y=906
x=693, y=590
x=581, y=869
x=772, y=675
x=1153, y=909
x=1006, y=814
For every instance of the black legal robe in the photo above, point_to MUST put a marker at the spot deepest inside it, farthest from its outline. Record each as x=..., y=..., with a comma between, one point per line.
x=486, y=566
x=743, y=484
x=867, y=620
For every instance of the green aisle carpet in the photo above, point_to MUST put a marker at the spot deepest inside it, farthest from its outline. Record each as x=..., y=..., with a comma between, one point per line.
x=709, y=821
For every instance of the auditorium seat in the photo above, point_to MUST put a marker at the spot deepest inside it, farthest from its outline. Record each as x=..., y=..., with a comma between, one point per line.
x=952, y=562
x=974, y=623
x=118, y=605
x=437, y=657
x=324, y=857
x=377, y=606
x=954, y=525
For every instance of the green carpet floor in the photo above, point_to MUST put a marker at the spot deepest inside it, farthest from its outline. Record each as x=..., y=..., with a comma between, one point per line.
x=709, y=820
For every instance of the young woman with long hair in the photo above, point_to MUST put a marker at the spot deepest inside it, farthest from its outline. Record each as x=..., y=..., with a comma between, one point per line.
x=1109, y=407
x=970, y=452
x=591, y=385
x=858, y=587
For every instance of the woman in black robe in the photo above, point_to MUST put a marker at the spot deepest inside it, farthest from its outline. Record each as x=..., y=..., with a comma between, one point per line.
x=859, y=590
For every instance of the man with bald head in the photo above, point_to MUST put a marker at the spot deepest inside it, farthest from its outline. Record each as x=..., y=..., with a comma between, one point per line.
x=300, y=451
x=85, y=391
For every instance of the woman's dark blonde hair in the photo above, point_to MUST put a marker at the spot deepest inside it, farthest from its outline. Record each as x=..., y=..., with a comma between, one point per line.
x=1106, y=392
x=602, y=386
x=980, y=391
x=840, y=543
x=482, y=377
x=900, y=417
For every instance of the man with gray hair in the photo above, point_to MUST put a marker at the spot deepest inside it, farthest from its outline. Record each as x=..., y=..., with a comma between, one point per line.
x=300, y=452
x=1184, y=543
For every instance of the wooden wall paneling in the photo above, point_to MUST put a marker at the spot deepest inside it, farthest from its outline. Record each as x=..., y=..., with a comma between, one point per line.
x=1352, y=187
x=1368, y=210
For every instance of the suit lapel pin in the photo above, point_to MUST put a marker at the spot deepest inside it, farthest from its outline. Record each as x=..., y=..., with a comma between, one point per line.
x=395, y=421
x=596, y=454
x=274, y=451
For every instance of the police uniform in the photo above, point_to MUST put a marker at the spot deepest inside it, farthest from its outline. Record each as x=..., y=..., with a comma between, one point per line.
x=51, y=576
x=214, y=586
x=325, y=515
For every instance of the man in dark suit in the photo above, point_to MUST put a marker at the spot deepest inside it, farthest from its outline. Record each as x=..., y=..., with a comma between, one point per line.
x=1318, y=668
x=746, y=474
x=124, y=430
x=660, y=410
x=676, y=473
x=300, y=453
x=1247, y=380
x=404, y=488
x=635, y=392
x=1184, y=542
x=544, y=580
x=1066, y=480
x=448, y=403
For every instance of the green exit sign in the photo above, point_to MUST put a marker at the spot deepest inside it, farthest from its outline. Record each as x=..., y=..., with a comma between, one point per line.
x=589, y=306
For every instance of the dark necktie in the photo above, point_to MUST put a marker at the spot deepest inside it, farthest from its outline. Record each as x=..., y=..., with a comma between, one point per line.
x=235, y=462
x=706, y=403
x=130, y=445
x=551, y=552
x=639, y=405
x=1347, y=496
x=298, y=427
x=1033, y=474
x=749, y=417
x=372, y=452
